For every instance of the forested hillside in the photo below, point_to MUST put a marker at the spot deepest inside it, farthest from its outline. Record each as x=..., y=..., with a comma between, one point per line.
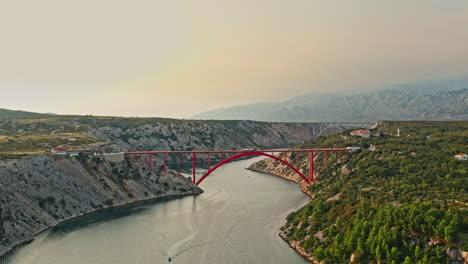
x=404, y=200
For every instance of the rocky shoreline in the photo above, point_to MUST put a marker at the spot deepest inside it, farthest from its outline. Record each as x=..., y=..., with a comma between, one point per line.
x=40, y=192
x=152, y=199
x=301, y=183
x=268, y=166
x=295, y=245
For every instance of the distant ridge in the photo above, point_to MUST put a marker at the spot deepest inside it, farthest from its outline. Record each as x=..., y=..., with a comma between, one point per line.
x=402, y=103
x=6, y=113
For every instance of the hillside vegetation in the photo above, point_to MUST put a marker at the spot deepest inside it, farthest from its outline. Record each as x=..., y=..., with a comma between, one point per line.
x=36, y=135
x=405, y=202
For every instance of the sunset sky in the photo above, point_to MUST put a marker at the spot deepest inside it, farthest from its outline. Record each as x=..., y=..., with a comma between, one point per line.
x=181, y=57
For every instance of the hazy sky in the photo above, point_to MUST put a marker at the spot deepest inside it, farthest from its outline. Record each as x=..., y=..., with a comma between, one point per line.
x=180, y=57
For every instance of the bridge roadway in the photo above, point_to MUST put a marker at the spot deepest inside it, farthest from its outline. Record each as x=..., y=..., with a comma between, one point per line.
x=239, y=154
x=232, y=151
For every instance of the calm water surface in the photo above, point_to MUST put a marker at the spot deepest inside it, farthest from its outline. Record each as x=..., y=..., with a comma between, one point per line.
x=236, y=220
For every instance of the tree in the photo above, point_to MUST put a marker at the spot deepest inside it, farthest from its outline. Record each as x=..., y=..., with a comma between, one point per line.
x=417, y=252
x=319, y=254
x=407, y=260
x=378, y=253
x=395, y=253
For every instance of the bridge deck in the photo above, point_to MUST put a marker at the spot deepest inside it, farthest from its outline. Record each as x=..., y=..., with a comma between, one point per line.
x=233, y=151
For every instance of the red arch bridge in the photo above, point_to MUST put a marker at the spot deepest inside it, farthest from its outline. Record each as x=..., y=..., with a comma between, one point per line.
x=235, y=154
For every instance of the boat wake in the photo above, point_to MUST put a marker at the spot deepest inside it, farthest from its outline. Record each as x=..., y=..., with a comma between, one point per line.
x=219, y=202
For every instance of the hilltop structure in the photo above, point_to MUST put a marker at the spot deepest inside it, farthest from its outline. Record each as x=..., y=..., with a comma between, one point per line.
x=361, y=133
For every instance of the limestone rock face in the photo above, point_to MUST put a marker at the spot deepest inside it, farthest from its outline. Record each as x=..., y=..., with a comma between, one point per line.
x=277, y=168
x=457, y=255
x=203, y=135
x=344, y=170
x=41, y=191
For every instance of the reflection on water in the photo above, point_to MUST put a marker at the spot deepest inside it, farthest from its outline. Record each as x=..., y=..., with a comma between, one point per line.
x=236, y=220
x=108, y=214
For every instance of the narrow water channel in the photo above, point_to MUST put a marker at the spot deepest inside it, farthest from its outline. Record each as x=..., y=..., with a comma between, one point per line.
x=236, y=220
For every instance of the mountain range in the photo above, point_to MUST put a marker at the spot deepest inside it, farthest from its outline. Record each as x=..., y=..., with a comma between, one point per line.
x=406, y=102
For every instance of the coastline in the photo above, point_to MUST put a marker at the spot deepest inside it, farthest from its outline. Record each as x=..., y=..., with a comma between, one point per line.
x=298, y=249
x=292, y=244
x=150, y=199
x=302, y=185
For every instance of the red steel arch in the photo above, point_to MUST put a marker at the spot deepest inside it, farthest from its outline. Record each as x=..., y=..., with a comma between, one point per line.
x=251, y=154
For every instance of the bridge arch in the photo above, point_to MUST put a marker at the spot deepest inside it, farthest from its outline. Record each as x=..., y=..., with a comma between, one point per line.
x=251, y=154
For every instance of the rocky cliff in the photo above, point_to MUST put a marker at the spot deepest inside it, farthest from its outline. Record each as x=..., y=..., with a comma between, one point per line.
x=40, y=191
x=200, y=135
x=277, y=168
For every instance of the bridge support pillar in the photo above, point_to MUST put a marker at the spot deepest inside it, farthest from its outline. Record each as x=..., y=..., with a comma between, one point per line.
x=178, y=162
x=208, y=161
x=221, y=157
x=194, y=164
x=297, y=160
x=311, y=166
x=150, y=161
x=165, y=163
x=325, y=158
